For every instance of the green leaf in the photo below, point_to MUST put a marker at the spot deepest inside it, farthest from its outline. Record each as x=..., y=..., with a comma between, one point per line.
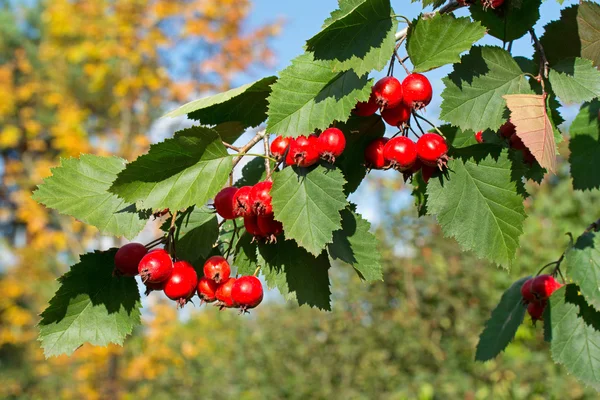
x=426, y=3
x=480, y=206
x=547, y=317
x=246, y=104
x=583, y=267
x=575, y=335
x=246, y=258
x=354, y=244
x=230, y=131
x=437, y=41
x=510, y=21
x=585, y=147
x=296, y=273
x=359, y=132
x=500, y=329
x=359, y=36
x=79, y=188
x=419, y=193
x=309, y=96
x=91, y=306
x=588, y=22
x=472, y=98
x=575, y=80
x=188, y=169
x=308, y=204
x=252, y=173
x=196, y=233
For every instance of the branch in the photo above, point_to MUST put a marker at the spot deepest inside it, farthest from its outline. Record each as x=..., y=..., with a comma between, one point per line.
x=543, y=60
x=257, y=138
x=267, y=161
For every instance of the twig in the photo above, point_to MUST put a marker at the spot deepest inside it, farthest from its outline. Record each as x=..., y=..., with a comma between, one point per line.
x=267, y=161
x=543, y=73
x=401, y=61
x=426, y=120
x=418, y=124
x=594, y=226
x=229, y=146
x=257, y=138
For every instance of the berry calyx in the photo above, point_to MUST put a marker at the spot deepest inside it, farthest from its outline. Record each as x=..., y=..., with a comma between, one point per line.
x=374, y=154
x=432, y=150
x=182, y=283
x=269, y=227
x=223, y=294
x=207, y=289
x=128, y=258
x=417, y=91
x=491, y=3
x=479, y=137
x=224, y=202
x=527, y=292
x=279, y=147
x=366, y=108
x=536, y=310
x=303, y=151
x=247, y=292
x=397, y=116
x=544, y=285
x=217, y=269
x=260, y=198
x=388, y=92
x=400, y=153
x=242, y=204
x=331, y=144
x=156, y=266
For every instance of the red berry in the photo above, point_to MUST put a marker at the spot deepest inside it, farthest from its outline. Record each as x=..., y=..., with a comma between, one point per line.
x=536, y=310
x=269, y=227
x=479, y=137
x=331, y=144
x=417, y=91
x=303, y=151
x=400, y=152
x=388, y=92
x=516, y=143
x=544, y=285
x=247, y=292
x=155, y=266
x=223, y=294
x=128, y=258
x=224, y=202
x=526, y=292
x=432, y=149
x=366, y=108
x=217, y=268
x=427, y=172
x=507, y=130
x=150, y=287
x=492, y=3
x=251, y=225
x=396, y=116
x=374, y=154
x=182, y=283
x=207, y=289
x=279, y=146
x=242, y=204
x=261, y=198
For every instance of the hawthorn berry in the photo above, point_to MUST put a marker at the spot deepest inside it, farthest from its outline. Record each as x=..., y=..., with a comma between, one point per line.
x=536, y=310
x=128, y=258
x=527, y=292
x=396, y=116
x=388, y=92
x=207, y=289
x=251, y=225
x=223, y=294
x=279, y=147
x=331, y=144
x=507, y=130
x=182, y=283
x=224, y=202
x=432, y=150
x=417, y=91
x=366, y=108
x=242, y=204
x=151, y=287
x=427, y=172
x=260, y=198
x=492, y=3
x=400, y=152
x=374, y=154
x=544, y=285
x=247, y=292
x=156, y=266
x=479, y=137
x=516, y=143
x=217, y=269
x=303, y=151
x=269, y=227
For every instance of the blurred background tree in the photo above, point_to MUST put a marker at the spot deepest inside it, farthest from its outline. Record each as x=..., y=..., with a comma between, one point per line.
x=93, y=76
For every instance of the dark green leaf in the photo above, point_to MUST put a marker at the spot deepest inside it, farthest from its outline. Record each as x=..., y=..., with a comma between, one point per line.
x=510, y=21
x=246, y=259
x=588, y=22
x=252, y=173
x=585, y=147
x=196, y=233
x=561, y=37
x=583, y=267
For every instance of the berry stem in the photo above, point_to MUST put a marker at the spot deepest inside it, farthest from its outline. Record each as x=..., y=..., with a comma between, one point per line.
x=418, y=124
x=256, y=271
x=429, y=122
x=257, y=138
x=155, y=242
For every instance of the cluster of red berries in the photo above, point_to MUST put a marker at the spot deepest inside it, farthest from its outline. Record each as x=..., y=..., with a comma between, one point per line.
x=508, y=131
x=403, y=154
x=396, y=100
x=179, y=280
x=536, y=292
x=253, y=203
x=485, y=3
x=306, y=151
